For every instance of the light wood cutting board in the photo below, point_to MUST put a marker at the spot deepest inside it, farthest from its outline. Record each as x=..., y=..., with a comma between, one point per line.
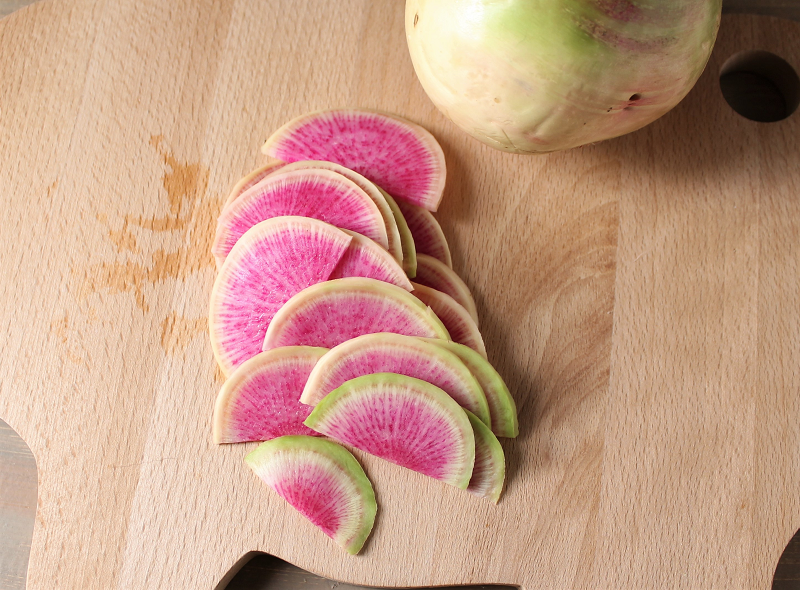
x=640, y=296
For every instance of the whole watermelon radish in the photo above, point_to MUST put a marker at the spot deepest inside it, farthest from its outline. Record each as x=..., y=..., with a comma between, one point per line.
x=534, y=76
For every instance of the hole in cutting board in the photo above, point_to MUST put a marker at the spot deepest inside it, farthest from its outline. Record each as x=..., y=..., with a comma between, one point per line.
x=760, y=86
x=265, y=572
x=787, y=572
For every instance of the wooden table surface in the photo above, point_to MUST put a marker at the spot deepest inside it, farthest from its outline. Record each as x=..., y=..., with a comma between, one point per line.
x=18, y=476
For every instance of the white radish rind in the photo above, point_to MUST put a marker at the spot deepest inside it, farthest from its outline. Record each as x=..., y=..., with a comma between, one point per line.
x=502, y=408
x=394, y=153
x=270, y=263
x=404, y=420
x=321, y=480
x=489, y=472
x=329, y=313
x=437, y=275
x=426, y=231
x=456, y=319
x=261, y=399
x=403, y=355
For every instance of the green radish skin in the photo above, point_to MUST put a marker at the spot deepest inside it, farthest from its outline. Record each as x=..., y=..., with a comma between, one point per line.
x=489, y=472
x=426, y=232
x=404, y=420
x=456, y=319
x=406, y=238
x=251, y=180
x=321, y=480
x=536, y=76
x=403, y=355
x=437, y=275
x=331, y=312
x=502, y=408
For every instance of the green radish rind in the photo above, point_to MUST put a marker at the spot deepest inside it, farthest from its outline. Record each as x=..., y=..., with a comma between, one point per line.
x=434, y=273
x=325, y=294
x=341, y=461
x=489, y=473
x=406, y=238
x=426, y=232
x=330, y=417
x=454, y=316
x=250, y=180
x=398, y=351
x=502, y=408
x=377, y=195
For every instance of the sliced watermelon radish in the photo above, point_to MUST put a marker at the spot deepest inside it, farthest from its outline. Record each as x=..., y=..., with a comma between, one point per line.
x=502, y=408
x=329, y=313
x=489, y=472
x=428, y=235
x=323, y=482
x=403, y=420
x=397, y=155
x=394, y=353
x=272, y=261
x=460, y=325
x=365, y=258
x=251, y=180
x=320, y=194
x=406, y=239
x=395, y=247
x=437, y=275
x=261, y=398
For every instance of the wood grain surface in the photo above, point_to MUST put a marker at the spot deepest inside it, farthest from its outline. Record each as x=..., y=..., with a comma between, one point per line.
x=640, y=296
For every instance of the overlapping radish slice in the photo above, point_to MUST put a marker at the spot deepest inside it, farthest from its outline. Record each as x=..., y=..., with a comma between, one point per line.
x=428, y=235
x=403, y=420
x=323, y=482
x=395, y=353
x=329, y=313
x=270, y=263
x=456, y=319
x=489, y=472
x=250, y=180
x=319, y=194
x=364, y=258
x=406, y=239
x=378, y=197
x=502, y=409
x=261, y=398
x=399, y=156
x=436, y=274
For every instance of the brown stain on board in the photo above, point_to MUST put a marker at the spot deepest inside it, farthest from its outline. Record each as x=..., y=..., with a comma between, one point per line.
x=192, y=214
x=178, y=331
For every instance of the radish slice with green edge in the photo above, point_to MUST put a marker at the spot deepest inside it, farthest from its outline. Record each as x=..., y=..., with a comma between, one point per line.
x=394, y=353
x=399, y=156
x=489, y=472
x=460, y=325
x=251, y=180
x=404, y=420
x=365, y=258
x=261, y=398
x=323, y=482
x=329, y=313
x=378, y=197
x=406, y=239
x=437, y=275
x=428, y=235
x=319, y=194
x=502, y=409
x=270, y=263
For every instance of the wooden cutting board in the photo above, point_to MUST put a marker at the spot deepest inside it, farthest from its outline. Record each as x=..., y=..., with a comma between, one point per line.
x=640, y=296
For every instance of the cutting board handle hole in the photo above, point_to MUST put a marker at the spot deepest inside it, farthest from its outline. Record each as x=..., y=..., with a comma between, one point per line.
x=760, y=86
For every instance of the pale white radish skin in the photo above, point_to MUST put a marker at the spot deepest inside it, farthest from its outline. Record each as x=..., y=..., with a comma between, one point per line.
x=399, y=156
x=436, y=274
x=426, y=231
x=454, y=316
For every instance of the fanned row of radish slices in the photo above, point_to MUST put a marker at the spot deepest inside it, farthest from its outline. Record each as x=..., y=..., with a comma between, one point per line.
x=336, y=312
